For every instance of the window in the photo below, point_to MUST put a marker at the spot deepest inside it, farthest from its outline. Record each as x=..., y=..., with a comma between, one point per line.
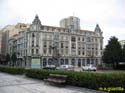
x=45, y=36
x=49, y=61
x=61, y=45
x=66, y=37
x=66, y=51
x=61, y=61
x=78, y=38
x=59, y=30
x=33, y=35
x=49, y=50
x=83, y=62
x=73, y=62
x=83, y=53
x=95, y=39
x=62, y=51
x=44, y=61
x=32, y=51
x=50, y=36
x=32, y=43
x=62, y=37
x=79, y=45
x=37, y=51
x=52, y=29
x=50, y=44
x=73, y=52
x=44, y=45
x=44, y=51
x=88, y=53
x=79, y=52
x=100, y=40
x=67, y=61
x=96, y=53
x=73, y=45
x=96, y=46
x=100, y=47
x=66, y=45
x=47, y=28
x=92, y=40
x=26, y=52
x=79, y=62
x=88, y=61
x=83, y=39
x=73, y=39
x=82, y=47
x=88, y=39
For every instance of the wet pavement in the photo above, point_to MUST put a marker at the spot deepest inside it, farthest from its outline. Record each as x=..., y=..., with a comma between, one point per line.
x=22, y=84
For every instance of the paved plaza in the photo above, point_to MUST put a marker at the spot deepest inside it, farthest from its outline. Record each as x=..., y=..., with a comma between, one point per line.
x=22, y=84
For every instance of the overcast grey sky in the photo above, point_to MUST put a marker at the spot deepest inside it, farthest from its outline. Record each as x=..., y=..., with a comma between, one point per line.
x=109, y=14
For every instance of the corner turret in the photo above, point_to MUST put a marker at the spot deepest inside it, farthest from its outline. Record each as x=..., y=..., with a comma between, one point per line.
x=36, y=24
x=97, y=29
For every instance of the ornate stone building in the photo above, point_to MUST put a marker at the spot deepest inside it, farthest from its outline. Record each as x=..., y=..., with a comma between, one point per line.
x=42, y=45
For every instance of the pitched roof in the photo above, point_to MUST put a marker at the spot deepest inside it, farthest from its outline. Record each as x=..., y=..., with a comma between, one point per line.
x=55, y=27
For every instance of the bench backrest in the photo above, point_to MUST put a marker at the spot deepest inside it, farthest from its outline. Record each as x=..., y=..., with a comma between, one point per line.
x=58, y=76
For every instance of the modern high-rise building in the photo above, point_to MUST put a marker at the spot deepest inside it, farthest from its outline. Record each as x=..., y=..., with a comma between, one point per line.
x=72, y=23
x=42, y=45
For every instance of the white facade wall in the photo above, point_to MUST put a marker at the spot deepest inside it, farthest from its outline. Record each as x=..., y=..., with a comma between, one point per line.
x=89, y=47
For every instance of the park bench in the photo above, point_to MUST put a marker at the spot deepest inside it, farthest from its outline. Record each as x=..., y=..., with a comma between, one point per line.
x=57, y=79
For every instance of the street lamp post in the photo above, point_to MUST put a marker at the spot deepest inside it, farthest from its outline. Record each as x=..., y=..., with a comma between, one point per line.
x=55, y=52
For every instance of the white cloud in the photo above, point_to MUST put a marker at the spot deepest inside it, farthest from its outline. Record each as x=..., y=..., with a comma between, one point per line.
x=109, y=14
x=117, y=32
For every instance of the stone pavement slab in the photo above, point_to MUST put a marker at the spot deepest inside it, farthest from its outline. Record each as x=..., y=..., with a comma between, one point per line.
x=21, y=84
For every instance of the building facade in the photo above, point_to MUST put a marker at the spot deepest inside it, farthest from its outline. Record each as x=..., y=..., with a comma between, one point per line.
x=42, y=45
x=72, y=23
x=122, y=42
x=8, y=33
x=0, y=40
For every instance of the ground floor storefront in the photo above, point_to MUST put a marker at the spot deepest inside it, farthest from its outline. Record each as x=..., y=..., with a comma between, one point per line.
x=77, y=62
x=40, y=62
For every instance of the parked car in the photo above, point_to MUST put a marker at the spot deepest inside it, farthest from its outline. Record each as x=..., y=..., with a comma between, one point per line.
x=65, y=67
x=89, y=67
x=53, y=67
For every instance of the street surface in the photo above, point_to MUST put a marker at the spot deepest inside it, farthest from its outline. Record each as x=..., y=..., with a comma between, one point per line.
x=22, y=84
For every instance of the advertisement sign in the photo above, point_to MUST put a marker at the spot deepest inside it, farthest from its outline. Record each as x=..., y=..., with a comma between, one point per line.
x=35, y=63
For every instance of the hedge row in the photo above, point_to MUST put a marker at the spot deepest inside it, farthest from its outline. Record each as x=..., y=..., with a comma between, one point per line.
x=12, y=70
x=83, y=79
